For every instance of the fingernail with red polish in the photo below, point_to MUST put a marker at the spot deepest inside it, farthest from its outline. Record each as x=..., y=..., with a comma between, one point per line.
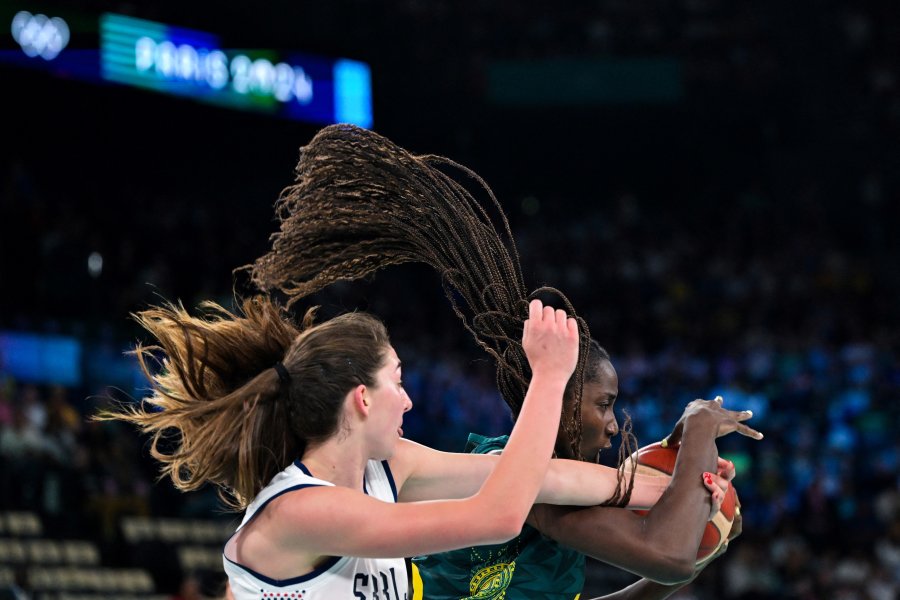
x=707, y=477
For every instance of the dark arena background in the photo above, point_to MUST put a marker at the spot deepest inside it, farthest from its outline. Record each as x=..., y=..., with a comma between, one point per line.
x=713, y=184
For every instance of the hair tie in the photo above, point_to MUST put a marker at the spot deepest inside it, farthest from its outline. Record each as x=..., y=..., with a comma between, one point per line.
x=283, y=374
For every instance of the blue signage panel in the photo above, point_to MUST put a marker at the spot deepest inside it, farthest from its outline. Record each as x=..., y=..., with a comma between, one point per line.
x=190, y=63
x=41, y=358
x=193, y=64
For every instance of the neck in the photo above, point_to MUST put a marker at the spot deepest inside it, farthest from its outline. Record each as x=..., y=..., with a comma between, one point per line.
x=338, y=460
x=563, y=448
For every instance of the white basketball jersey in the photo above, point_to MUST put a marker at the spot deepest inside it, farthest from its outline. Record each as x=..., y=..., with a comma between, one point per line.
x=338, y=578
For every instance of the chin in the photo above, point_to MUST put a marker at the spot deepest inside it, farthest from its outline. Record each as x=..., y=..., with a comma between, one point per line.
x=593, y=454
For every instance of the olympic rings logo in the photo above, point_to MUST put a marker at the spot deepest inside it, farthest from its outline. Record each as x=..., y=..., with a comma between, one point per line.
x=40, y=35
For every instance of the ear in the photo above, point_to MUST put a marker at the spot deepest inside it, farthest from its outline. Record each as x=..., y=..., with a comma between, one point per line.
x=361, y=400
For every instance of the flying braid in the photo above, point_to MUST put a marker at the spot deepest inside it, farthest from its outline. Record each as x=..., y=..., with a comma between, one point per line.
x=360, y=203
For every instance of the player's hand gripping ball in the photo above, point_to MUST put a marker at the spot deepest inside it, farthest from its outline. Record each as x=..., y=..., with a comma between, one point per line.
x=656, y=460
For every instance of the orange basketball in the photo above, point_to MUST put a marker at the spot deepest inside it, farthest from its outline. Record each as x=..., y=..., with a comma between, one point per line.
x=656, y=460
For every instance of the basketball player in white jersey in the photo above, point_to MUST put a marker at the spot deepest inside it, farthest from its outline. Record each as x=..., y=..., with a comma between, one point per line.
x=302, y=428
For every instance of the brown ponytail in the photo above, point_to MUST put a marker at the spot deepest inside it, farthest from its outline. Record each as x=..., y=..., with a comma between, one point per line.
x=237, y=423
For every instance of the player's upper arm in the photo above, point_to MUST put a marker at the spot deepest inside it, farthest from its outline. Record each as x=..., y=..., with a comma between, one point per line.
x=616, y=536
x=337, y=521
x=422, y=473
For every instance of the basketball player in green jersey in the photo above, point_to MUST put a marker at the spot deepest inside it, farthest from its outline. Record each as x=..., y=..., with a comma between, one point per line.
x=546, y=560
x=360, y=203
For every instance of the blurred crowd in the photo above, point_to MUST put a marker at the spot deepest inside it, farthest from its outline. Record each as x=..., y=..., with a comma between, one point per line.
x=803, y=332
x=820, y=495
x=761, y=266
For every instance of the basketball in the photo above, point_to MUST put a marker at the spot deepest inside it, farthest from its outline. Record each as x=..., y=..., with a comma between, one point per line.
x=656, y=460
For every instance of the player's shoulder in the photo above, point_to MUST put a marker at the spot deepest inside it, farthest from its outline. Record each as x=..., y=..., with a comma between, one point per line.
x=479, y=444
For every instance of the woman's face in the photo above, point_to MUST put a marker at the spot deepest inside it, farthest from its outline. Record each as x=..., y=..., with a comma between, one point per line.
x=598, y=419
x=387, y=403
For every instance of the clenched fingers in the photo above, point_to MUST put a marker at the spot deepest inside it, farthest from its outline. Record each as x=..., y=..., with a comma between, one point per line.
x=717, y=487
x=725, y=468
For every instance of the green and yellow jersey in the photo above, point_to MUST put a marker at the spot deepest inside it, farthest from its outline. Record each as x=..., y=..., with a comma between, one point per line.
x=531, y=566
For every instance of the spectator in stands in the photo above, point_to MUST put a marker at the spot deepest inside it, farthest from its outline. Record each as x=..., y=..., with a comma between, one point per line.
x=22, y=447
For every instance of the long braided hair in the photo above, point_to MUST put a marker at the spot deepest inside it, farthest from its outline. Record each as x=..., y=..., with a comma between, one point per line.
x=360, y=203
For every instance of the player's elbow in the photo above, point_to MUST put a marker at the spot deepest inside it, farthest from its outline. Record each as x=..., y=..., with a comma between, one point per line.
x=669, y=560
x=508, y=527
x=496, y=521
x=499, y=528
x=671, y=569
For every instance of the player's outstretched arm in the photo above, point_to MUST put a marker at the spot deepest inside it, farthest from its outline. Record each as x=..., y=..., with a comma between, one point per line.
x=339, y=521
x=661, y=545
x=422, y=473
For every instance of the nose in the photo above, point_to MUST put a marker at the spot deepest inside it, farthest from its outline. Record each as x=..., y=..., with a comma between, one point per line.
x=409, y=403
x=612, y=428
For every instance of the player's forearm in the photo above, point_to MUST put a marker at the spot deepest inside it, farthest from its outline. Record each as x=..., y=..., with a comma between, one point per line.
x=676, y=522
x=696, y=455
x=518, y=476
x=579, y=483
x=644, y=589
